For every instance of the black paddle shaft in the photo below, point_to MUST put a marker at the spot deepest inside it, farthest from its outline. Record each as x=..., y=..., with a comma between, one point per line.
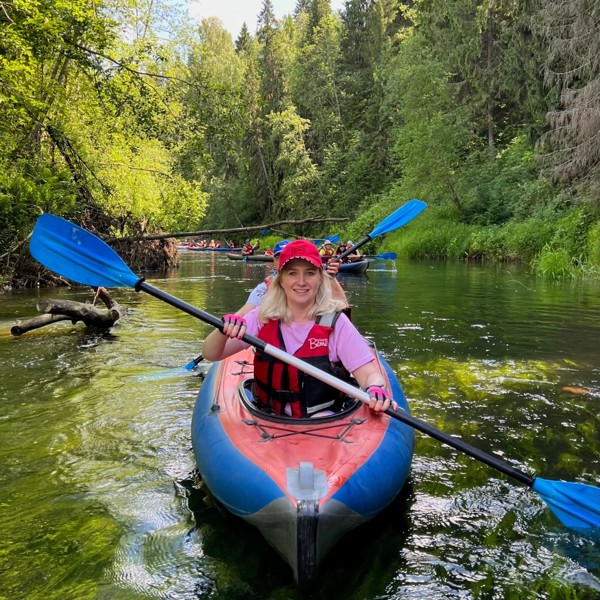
x=343, y=255
x=458, y=444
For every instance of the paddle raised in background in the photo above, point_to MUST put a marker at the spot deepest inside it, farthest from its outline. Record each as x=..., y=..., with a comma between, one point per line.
x=80, y=256
x=385, y=256
x=406, y=213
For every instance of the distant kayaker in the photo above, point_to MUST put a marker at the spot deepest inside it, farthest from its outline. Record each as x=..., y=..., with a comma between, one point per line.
x=268, y=251
x=258, y=293
x=355, y=254
x=340, y=250
x=300, y=315
x=247, y=249
x=327, y=249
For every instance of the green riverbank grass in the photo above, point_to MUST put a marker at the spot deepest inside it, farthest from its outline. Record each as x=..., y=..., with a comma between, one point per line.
x=553, y=246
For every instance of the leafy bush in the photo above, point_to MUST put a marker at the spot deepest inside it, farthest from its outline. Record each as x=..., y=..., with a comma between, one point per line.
x=25, y=192
x=497, y=188
x=556, y=264
x=524, y=240
x=432, y=235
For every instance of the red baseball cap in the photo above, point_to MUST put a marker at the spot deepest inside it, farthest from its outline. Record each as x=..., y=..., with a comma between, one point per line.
x=301, y=249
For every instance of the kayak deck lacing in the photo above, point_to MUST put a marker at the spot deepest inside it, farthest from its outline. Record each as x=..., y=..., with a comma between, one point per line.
x=272, y=432
x=243, y=363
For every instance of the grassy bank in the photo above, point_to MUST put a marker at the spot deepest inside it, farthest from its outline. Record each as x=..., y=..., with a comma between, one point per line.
x=556, y=246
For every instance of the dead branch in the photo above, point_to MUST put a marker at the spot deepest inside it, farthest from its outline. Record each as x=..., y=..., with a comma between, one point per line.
x=36, y=322
x=69, y=310
x=220, y=232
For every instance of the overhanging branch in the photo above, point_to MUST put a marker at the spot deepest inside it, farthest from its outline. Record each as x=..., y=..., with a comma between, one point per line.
x=219, y=232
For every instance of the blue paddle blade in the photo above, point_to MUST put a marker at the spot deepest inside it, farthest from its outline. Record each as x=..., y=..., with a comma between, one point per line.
x=77, y=254
x=334, y=239
x=400, y=217
x=193, y=363
x=387, y=256
x=577, y=505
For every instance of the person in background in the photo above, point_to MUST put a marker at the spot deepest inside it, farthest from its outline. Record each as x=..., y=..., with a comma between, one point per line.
x=289, y=318
x=247, y=248
x=327, y=250
x=340, y=250
x=257, y=294
x=268, y=251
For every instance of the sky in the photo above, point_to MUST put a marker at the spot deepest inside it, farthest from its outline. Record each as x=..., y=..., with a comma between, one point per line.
x=232, y=13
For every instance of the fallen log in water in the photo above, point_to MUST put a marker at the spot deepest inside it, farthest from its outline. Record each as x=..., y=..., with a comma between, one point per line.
x=69, y=310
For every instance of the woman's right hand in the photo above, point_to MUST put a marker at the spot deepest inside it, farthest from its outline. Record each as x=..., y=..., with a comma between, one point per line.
x=234, y=326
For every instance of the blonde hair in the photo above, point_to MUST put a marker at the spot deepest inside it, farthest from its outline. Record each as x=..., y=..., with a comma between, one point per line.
x=274, y=304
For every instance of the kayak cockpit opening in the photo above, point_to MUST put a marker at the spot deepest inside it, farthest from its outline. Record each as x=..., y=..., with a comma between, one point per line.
x=342, y=407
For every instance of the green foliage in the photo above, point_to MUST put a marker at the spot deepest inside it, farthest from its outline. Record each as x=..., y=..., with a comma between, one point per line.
x=25, y=193
x=431, y=134
x=432, y=235
x=593, y=246
x=296, y=172
x=314, y=86
x=526, y=239
x=498, y=188
x=571, y=230
x=555, y=264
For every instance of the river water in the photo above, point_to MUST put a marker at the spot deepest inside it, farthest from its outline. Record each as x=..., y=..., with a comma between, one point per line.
x=98, y=493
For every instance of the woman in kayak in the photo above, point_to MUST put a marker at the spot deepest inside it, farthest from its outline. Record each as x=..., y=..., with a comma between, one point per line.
x=300, y=315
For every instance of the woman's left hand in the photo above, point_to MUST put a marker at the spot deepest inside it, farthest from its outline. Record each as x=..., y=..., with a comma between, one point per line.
x=380, y=400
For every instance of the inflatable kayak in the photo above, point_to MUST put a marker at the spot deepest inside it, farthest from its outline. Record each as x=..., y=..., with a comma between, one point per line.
x=251, y=257
x=360, y=266
x=305, y=482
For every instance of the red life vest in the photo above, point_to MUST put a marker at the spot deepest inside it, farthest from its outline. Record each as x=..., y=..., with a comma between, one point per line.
x=278, y=384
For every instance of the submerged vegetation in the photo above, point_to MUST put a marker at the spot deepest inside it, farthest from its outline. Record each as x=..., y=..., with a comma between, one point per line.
x=129, y=117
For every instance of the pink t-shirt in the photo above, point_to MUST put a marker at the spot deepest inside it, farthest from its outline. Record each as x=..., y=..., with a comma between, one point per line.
x=346, y=344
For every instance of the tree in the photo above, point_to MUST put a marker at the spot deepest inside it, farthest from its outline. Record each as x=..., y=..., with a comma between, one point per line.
x=430, y=126
x=294, y=171
x=244, y=39
x=314, y=86
x=91, y=117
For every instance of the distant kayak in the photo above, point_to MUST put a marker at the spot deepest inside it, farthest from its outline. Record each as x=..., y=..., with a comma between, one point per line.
x=359, y=266
x=252, y=257
x=207, y=249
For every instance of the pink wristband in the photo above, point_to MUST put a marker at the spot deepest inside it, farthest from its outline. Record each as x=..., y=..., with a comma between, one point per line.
x=234, y=320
